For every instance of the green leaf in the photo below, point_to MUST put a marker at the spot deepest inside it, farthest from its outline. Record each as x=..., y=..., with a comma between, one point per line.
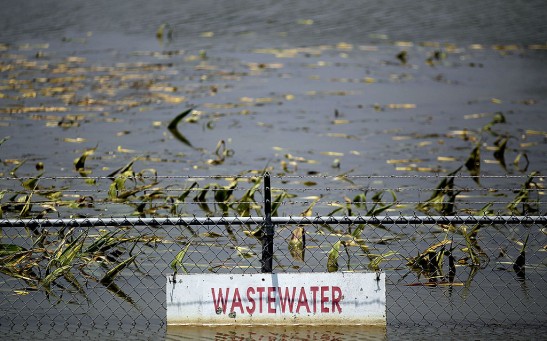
x=187, y=191
x=178, y=260
x=121, y=170
x=74, y=282
x=276, y=203
x=79, y=163
x=356, y=235
x=16, y=168
x=107, y=241
x=309, y=211
x=164, y=30
x=49, y=279
x=4, y=140
x=71, y=251
x=222, y=194
x=8, y=249
x=498, y=118
x=499, y=153
x=520, y=263
x=475, y=260
x=27, y=207
x=31, y=183
x=244, y=204
x=523, y=196
x=334, y=253
x=444, y=196
x=473, y=163
x=375, y=210
x=516, y=162
x=374, y=264
x=244, y=252
x=112, y=273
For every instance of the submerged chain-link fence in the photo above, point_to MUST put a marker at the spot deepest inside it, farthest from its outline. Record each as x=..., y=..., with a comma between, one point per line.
x=445, y=265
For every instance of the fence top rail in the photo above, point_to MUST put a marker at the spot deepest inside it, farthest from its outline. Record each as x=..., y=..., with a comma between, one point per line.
x=347, y=220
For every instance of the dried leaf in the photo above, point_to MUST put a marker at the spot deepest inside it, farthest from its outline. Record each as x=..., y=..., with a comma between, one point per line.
x=297, y=244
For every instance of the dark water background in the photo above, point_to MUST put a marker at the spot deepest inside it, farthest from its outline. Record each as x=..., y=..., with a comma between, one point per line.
x=462, y=22
x=108, y=33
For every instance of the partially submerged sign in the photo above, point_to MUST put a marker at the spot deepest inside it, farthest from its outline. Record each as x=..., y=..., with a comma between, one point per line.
x=288, y=298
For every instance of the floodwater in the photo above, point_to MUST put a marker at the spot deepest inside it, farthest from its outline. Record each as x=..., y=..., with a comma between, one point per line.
x=304, y=88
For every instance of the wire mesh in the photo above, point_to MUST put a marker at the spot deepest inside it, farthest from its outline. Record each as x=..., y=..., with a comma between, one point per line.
x=70, y=270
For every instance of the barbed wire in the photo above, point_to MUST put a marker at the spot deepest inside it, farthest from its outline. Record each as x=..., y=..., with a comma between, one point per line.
x=285, y=189
x=284, y=176
x=282, y=202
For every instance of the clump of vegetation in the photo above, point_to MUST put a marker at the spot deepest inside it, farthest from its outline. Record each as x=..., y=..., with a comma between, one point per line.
x=55, y=265
x=444, y=198
x=65, y=261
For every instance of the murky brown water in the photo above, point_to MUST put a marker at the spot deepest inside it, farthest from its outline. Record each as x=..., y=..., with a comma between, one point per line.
x=276, y=333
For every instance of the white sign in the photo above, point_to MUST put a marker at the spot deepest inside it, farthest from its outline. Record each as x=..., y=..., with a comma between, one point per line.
x=354, y=298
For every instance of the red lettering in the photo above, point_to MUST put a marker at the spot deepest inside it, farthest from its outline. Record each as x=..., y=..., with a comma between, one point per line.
x=236, y=301
x=324, y=299
x=314, y=291
x=250, y=292
x=336, y=298
x=221, y=299
x=302, y=301
x=286, y=298
x=260, y=292
x=271, y=300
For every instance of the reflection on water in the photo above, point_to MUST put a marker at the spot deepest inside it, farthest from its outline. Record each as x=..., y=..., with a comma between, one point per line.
x=272, y=333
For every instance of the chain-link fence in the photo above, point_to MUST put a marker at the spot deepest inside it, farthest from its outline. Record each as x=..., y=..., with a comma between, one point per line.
x=447, y=264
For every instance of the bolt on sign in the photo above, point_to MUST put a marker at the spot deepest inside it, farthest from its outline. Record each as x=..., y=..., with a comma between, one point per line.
x=351, y=298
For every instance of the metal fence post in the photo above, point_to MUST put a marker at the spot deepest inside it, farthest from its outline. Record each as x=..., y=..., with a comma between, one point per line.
x=267, y=239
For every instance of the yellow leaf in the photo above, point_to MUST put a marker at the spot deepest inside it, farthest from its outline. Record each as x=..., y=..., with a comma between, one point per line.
x=476, y=47
x=344, y=46
x=474, y=116
x=123, y=150
x=446, y=158
x=332, y=153
x=401, y=106
x=404, y=43
x=170, y=99
x=75, y=140
x=304, y=21
x=536, y=132
x=74, y=59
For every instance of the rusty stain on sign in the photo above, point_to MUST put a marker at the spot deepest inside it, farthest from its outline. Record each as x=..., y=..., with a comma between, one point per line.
x=351, y=298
